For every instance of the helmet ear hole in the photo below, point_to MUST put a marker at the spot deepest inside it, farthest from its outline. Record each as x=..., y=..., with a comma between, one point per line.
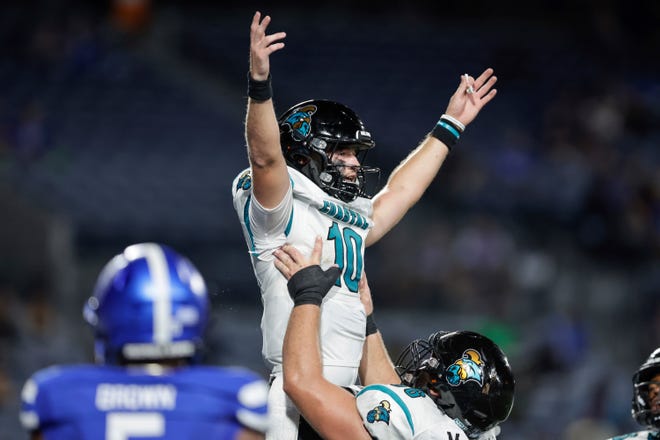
x=300, y=159
x=425, y=380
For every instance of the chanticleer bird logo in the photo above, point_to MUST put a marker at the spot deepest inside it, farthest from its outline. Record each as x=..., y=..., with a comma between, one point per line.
x=300, y=122
x=469, y=367
x=381, y=413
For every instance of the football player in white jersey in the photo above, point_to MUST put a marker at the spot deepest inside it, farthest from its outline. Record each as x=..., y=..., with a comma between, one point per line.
x=451, y=386
x=646, y=399
x=306, y=178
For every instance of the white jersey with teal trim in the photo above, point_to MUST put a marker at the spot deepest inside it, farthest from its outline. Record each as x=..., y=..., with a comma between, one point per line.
x=305, y=213
x=646, y=435
x=398, y=412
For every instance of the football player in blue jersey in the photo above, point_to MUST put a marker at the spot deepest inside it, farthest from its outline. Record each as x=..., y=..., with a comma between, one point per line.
x=451, y=385
x=307, y=177
x=149, y=311
x=646, y=399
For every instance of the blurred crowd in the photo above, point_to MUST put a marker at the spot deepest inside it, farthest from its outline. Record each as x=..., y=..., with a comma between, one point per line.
x=542, y=231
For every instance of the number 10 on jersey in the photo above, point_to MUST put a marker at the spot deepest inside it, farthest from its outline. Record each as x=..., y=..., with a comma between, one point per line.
x=348, y=255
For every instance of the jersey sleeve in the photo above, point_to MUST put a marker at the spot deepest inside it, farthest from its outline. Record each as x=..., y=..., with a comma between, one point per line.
x=384, y=413
x=253, y=410
x=35, y=408
x=265, y=228
x=29, y=415
x=274, y=221
x=392, y=412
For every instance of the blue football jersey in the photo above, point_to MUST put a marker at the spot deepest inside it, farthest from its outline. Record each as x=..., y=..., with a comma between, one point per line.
x=117, y=403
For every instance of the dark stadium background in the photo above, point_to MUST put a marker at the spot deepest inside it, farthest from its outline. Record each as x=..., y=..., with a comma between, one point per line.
x=121, y=121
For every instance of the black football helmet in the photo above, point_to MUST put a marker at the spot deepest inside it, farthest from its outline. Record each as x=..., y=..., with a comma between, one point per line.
x=467, y=375
x=646, y=391
x=311, y=130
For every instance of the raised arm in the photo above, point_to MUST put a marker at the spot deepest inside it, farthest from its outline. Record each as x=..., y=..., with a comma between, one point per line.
x=415, y=173
x=329, y=409
x=376, y=367
x=269, y=175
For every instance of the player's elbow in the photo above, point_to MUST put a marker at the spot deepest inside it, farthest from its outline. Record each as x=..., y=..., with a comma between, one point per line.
x=292, y=382
x=263, y=161
x=407, y=194
x=300, y=385
x=303, y=394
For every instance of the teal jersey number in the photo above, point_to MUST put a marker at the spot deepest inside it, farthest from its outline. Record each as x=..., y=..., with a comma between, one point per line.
x=348, y=255
x=414, y=392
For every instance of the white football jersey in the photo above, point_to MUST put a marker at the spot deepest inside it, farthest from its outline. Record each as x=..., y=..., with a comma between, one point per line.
x=646, y=435
x=305, y=213
x=398, y=412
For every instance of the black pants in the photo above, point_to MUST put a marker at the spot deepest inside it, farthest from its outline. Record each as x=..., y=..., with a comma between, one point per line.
x=306, y=432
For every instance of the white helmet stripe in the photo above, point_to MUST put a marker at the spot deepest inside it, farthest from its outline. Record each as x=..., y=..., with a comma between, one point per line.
x=162, y=308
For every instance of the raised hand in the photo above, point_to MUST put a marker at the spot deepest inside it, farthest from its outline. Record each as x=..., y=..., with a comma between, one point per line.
x=471, y=96
x=261, y=46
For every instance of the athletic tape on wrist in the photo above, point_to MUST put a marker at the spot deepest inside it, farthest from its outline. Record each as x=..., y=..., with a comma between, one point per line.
x=310, y=284
x=260, y=90
x=446, y=133
x=371, y=325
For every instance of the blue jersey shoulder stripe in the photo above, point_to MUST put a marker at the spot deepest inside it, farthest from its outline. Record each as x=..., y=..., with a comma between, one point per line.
x=396, y=398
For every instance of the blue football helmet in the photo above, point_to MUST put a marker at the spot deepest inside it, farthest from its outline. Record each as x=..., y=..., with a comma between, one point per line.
x=149, y=304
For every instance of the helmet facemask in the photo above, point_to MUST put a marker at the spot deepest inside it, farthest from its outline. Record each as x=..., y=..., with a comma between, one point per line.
x=333, y=181
x=646, y=394
x=419, y=368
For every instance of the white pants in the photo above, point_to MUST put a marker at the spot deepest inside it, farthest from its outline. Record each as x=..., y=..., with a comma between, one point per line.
x=283, y=414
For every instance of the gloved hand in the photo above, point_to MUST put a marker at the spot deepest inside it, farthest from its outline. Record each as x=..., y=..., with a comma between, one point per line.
x=310, y=284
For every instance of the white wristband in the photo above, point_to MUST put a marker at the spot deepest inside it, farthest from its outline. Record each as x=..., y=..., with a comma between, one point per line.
x=454, y=121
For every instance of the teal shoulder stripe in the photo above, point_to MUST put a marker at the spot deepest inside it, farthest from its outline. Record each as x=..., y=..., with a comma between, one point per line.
x=246, y=221
x=288, y=225
x=396, y=398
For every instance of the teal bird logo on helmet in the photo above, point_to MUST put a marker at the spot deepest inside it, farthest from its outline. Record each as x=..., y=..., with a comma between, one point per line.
x=469, y=367
x=300, y=121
